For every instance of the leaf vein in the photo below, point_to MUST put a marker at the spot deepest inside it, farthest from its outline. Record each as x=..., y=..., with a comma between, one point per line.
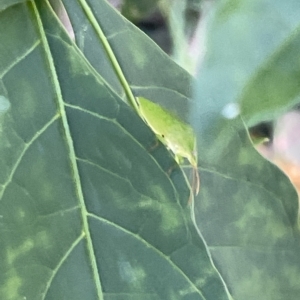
x=86, y=161
x=60, y=263
x=25, y=149
x=148, y=245
x=251, y=183
x=114, y=34
x=19, y=59
x=159, y=88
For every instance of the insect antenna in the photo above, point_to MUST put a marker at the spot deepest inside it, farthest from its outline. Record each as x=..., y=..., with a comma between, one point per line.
x=195, y=185
x=196, y=181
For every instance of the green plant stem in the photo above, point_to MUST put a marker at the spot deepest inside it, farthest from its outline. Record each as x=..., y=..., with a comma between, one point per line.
x=111, y=56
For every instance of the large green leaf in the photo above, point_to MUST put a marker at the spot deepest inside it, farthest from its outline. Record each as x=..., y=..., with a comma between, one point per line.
x=87, y=211
x=247, y=210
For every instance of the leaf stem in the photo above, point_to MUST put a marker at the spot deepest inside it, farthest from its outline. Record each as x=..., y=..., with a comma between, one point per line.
x=111, y=56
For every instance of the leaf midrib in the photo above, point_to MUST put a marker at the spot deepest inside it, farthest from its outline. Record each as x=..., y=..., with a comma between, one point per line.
x=70, y=145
